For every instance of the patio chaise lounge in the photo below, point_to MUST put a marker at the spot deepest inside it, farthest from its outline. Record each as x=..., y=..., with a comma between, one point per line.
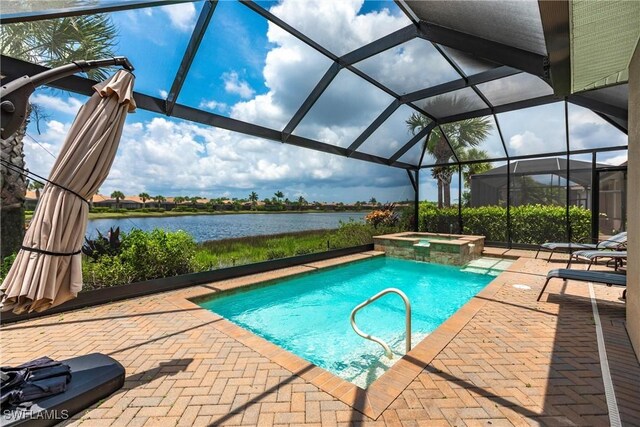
x=612, y=243
x=593, y=256
x=608, y=279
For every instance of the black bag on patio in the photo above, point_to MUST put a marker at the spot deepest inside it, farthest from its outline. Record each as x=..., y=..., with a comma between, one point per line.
x=33, y=380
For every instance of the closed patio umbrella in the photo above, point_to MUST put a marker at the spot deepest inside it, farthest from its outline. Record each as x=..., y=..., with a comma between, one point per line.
x=47, y=270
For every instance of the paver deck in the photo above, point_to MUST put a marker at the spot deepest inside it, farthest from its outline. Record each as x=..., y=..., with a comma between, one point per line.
x=509, y=360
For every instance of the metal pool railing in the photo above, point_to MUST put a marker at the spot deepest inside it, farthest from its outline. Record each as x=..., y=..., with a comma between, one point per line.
x=407, y=306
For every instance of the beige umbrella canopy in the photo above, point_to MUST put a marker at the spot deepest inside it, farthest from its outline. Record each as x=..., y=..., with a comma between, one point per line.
x=48, y=270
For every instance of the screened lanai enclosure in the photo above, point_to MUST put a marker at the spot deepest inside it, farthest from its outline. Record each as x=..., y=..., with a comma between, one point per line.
x=469, y=110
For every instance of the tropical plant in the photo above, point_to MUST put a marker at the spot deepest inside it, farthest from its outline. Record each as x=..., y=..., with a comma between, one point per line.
x=472, y=169
x=101, y=245
x=179, y=200
x=385, y=216
x=144, y=197
x=459, y=136
x=159, y=199
x=118, y=195
x=373, y=201
x=253, y=198
x=49, y=42
x=279, y=195
x=301, y=202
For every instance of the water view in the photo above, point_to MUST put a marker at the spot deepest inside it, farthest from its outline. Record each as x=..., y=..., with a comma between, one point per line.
x=216, y=227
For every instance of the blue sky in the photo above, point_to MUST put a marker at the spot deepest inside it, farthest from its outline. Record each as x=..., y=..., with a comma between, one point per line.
x=251, y=70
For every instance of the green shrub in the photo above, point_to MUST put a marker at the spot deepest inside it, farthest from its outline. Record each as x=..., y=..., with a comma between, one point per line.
x=530, y=224
x=100, y=209
x=486, y=221
x=143, y=256
x=5, y=265
x=185, y=209
x=303, y=251
x=356, y=233
x=276, y=253
x=155, y=254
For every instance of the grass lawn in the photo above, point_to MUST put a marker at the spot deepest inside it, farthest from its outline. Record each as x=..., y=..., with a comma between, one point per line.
x=245, y=250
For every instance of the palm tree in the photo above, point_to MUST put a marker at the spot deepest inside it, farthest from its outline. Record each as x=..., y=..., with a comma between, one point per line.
x=118, y=195
x=279, y=195
x=463, y=135
x=301, y=202
x=194, y=200
x=159, y=199
x=144, y=197
x=36, y=186
x=473, y=168
x=179, y=199
x=373, y=201
x=50, y=42
x=253, y=198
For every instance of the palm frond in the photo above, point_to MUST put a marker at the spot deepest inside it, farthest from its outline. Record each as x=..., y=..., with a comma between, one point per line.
x=55, y=42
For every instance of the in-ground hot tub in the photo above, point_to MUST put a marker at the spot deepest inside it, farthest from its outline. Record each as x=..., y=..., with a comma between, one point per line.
x=452, y=249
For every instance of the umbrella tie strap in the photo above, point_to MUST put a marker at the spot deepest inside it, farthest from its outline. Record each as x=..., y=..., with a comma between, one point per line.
x=42, y=251
x=26, y=173
x=70, y=191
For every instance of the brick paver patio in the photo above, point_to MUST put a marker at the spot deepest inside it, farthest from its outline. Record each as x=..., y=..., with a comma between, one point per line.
x=510, y=361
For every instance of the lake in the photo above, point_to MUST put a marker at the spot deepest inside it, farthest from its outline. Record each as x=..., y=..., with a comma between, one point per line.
x=216, y=227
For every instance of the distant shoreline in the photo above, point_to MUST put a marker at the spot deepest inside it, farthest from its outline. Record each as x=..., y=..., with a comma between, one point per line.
x=134, y=214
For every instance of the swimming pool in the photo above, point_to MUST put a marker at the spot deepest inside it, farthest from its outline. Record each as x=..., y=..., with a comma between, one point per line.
x=308, y=314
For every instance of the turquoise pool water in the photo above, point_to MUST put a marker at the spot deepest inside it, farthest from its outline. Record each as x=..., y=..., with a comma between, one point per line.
x=309, y=314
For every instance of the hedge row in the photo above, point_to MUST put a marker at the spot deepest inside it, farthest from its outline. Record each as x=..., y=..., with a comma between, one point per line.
x=530, y=224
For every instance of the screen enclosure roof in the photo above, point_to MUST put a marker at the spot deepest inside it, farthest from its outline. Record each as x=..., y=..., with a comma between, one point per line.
x=463, y=60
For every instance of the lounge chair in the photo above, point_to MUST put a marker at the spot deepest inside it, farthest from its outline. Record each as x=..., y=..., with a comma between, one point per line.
x=593, y=256
x=612, y=243
x=608, y=279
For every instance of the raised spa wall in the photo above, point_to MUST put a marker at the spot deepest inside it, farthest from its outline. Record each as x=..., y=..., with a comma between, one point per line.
x=451, y=249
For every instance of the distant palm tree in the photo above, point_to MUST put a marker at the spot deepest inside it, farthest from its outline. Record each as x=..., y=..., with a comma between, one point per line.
x=144, y=197
x=373, y=201
x=118, y=195
x=253, y=198
x=301, y=202
x=179, y=199
x=279, y=195
x=49, y=42
x=463, y=135
x=159, y=199
x=473, y=168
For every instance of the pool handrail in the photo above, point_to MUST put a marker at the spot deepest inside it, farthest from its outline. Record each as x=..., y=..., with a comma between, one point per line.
x=407, y=306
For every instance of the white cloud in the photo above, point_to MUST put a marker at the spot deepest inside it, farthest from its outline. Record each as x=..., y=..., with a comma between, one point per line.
x=38, y=159
x=169, y=157
x=69, y=106
x=588, y=130
x=213, y=105
x=233, y=84
x=182, y=16
x=616, y=160
x=163, y=93
x=335, y=24
x=522, y=142
x=292, y=69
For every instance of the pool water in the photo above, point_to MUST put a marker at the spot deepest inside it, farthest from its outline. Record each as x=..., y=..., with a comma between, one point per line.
x=308, y=314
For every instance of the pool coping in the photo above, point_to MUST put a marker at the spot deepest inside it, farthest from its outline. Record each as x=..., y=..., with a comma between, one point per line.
x=383, y=391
